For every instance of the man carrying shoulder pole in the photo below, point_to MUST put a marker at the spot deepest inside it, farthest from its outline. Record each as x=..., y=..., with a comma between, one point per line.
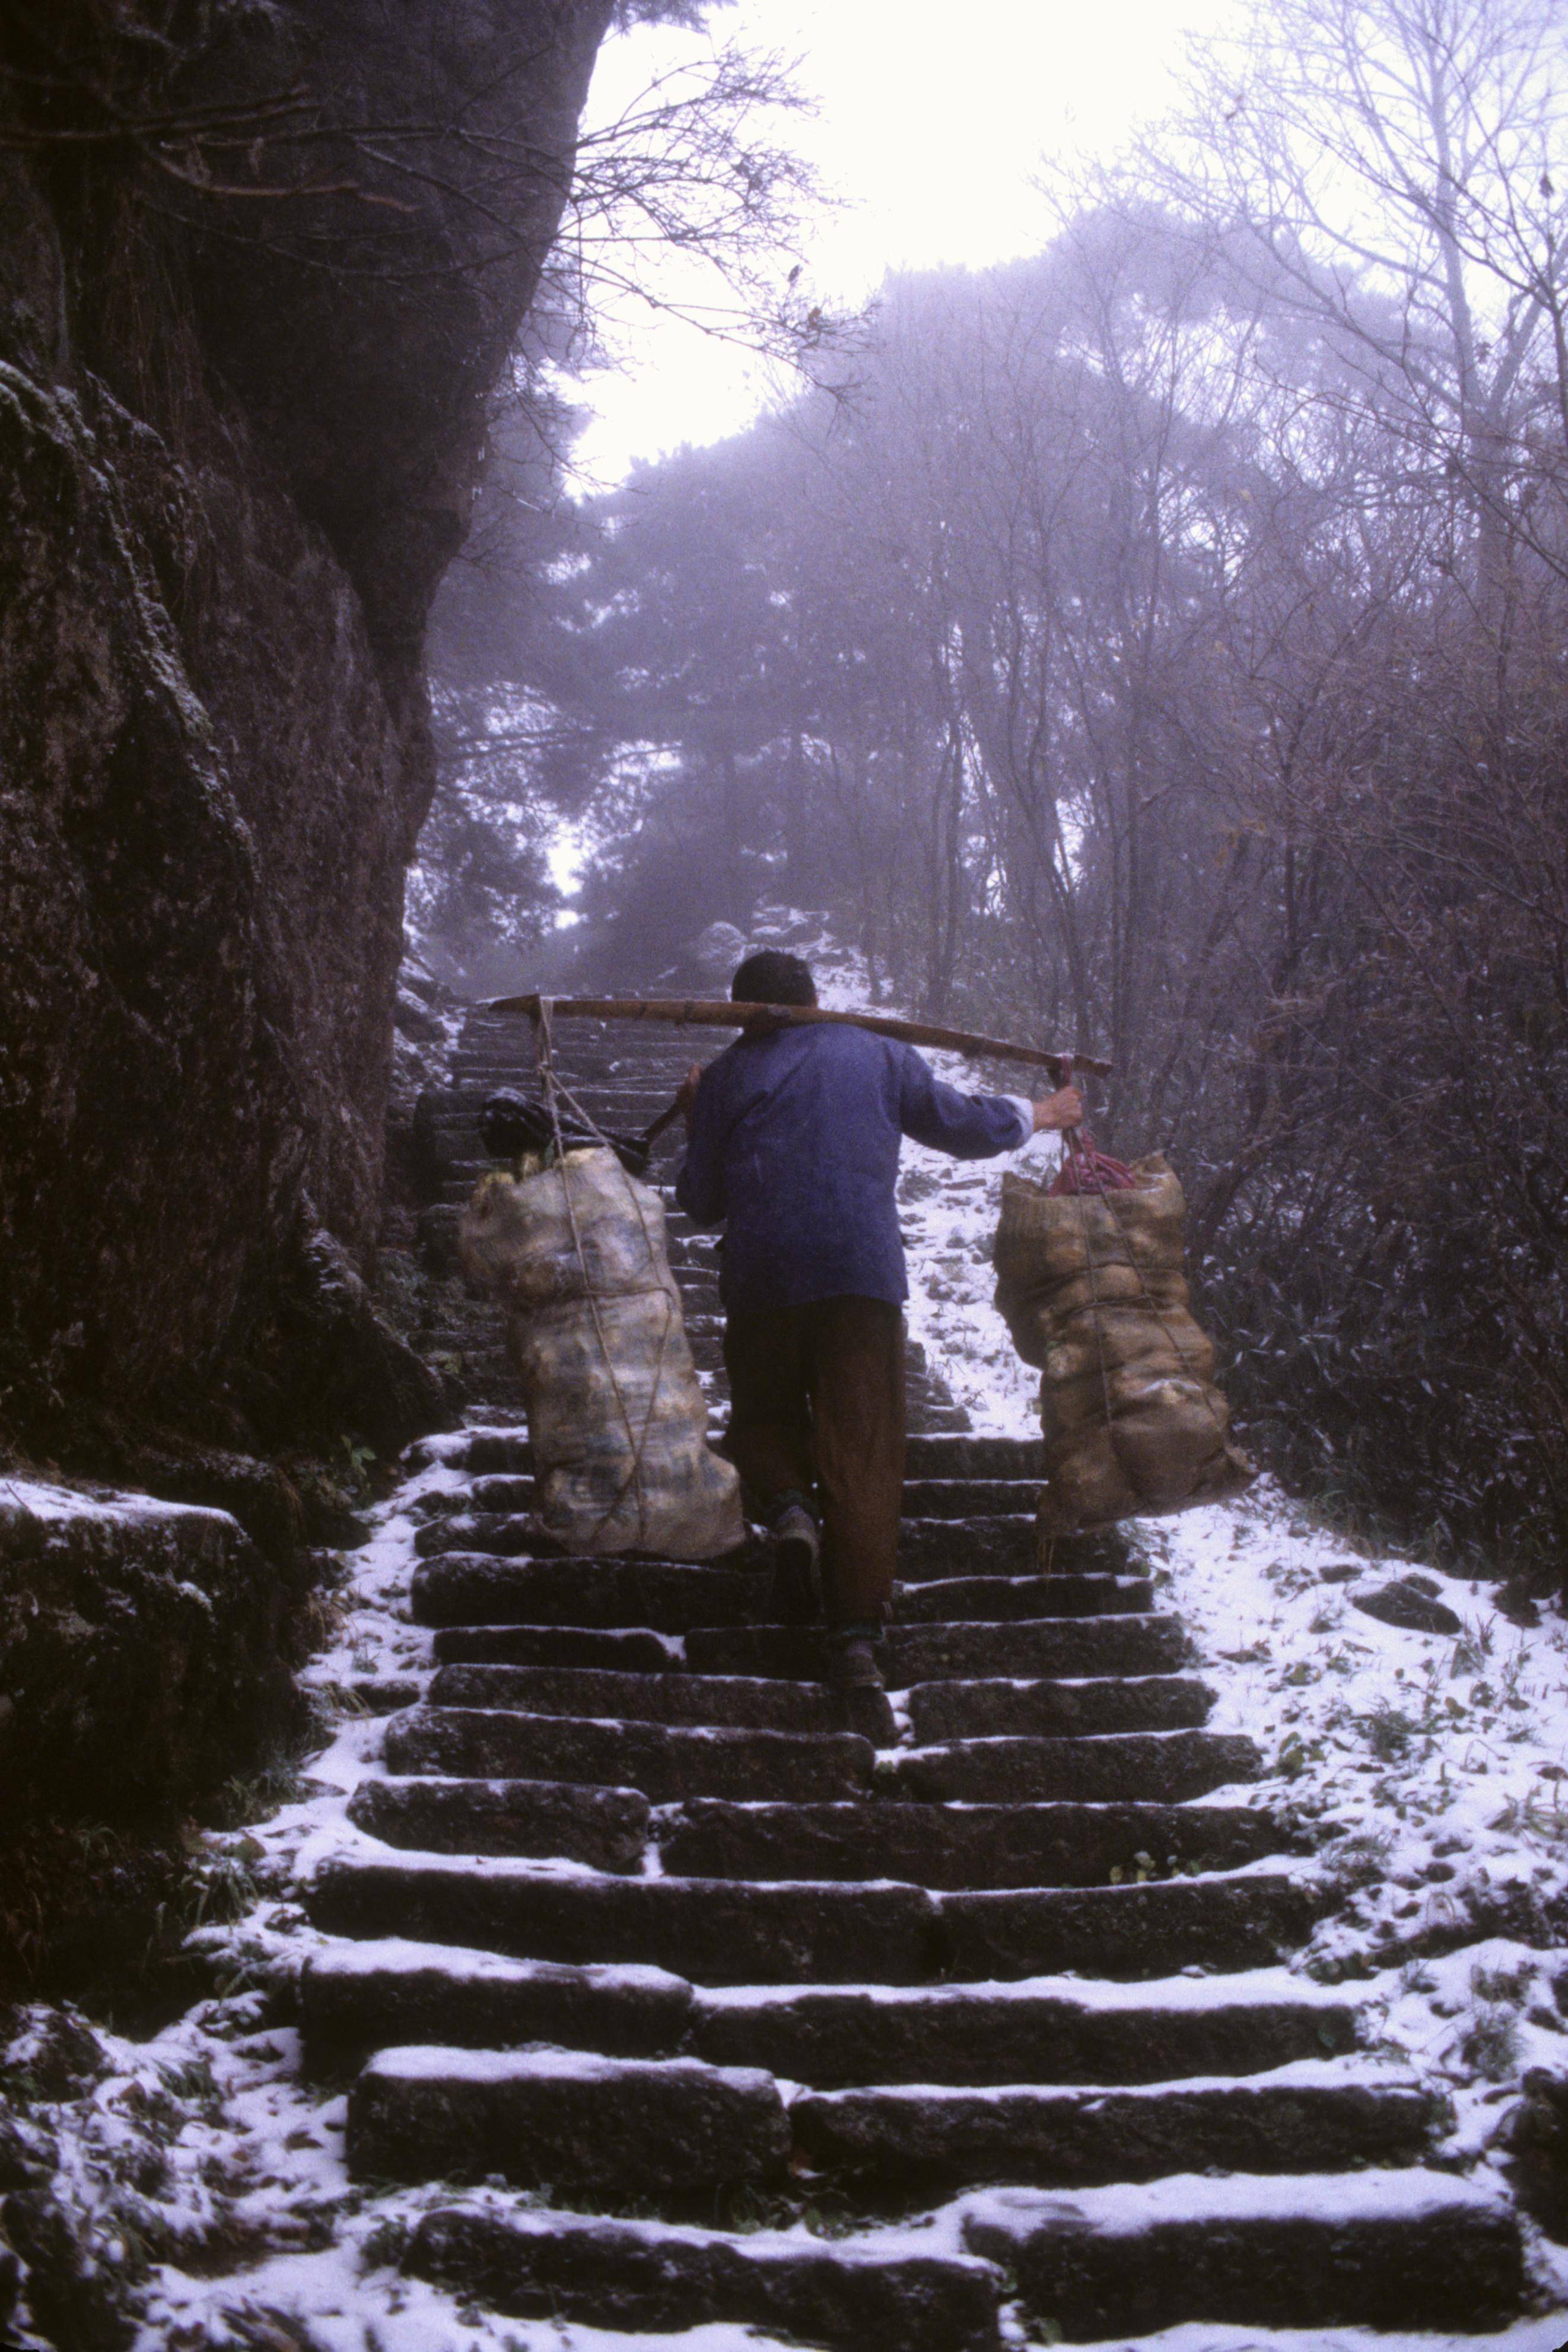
x=793, y=1144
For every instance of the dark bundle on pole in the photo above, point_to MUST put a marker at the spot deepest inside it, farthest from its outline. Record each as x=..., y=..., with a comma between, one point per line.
x=711, y=1013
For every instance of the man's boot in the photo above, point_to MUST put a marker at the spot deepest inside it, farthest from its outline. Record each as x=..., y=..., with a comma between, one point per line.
x=852, y=1660
x=796, y=1595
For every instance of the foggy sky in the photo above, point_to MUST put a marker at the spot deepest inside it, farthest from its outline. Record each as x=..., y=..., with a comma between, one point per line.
x=933, y=120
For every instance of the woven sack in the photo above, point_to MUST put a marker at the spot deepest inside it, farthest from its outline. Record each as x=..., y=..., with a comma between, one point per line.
x=1091, y=1288
x=617, y=1418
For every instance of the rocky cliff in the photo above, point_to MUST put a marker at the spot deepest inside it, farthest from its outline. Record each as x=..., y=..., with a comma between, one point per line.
x=260, y=267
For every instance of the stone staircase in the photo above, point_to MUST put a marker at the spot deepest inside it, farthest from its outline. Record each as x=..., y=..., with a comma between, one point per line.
x=655, y=1948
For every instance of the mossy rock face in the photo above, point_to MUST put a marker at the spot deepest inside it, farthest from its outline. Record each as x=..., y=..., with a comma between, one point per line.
x=230, y=481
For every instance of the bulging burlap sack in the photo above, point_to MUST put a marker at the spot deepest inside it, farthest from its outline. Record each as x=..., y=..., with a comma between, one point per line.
x=1092, y=1291
x=617, y=1418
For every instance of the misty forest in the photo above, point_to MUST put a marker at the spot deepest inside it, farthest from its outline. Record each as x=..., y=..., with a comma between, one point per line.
x=423, y=1928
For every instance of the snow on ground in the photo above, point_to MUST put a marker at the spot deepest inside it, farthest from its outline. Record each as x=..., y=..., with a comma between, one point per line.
x=947, y=1212
x=1431, y=1769
x=37, y=1500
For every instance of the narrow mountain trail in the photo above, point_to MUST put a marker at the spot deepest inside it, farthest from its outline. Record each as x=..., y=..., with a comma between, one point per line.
x=613, y=1982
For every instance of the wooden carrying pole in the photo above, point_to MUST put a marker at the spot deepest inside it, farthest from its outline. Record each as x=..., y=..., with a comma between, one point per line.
x=717, y=1012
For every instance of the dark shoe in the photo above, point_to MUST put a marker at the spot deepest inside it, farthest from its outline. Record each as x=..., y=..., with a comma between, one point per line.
x=852, y=1665
x=797, y=1566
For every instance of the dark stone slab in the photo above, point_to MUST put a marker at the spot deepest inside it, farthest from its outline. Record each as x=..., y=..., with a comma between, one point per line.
x=564, y=2119
x=951, y=1599
x=978, y=1710
x=503, y=1491
x=356, y=1997
x=387, y=1693
x=849, y=2296
x=1405, y=1603
x=1163, y=1767
x=742, y=1703
x=1392, y=2251
x=971, y=1456
x=710, y=1930
x=664, y=1762
x=475, y=1588
x=497, y=1449
x=1129, y=1931
x=956, y=1847
x=921, y=1653
x=974, y=2034
x=500, y=1534
x=968, y=1497
x=1307, y=2121
x=987, y=1546
x=606, y=1828
x=611, y=1648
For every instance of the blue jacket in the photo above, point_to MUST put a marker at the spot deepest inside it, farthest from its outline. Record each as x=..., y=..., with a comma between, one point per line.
x=794, y=1148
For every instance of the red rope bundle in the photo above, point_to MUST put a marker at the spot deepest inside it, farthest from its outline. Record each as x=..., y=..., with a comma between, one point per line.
x=1086, y=1168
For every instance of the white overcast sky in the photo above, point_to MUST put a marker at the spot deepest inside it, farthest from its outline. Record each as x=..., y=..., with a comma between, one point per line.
x=933, y=118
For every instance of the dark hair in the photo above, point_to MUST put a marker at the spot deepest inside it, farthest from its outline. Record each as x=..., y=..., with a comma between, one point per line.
x=771, y=977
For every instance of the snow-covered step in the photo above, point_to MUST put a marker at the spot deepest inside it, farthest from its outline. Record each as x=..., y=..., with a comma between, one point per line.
x=356, y=1997
x=1315, y=2115
x=462, y=1175
x=892, y=2292
x=712, y=1931
x=977, y=1710
x=1167, y=1766
x=564, y=2119
x=359, y=1997
x=1214, y=1922
x=474, y=1587
x=968, y=1497
x=1049, y=2028
x=664, y=1760
x=999, y=1544
x=955, y=1846
x=499, y=1491
x=483, y=1448
x=1052, y=1646
x=739, y=1931
x=1402, y=2250
x=979, y=1455
x=930, y=1550
x=741, y=1702
x=614, y=1104
x=482, y=1063
x=603, y=1648
x=605, y=1828
x=995, y=1599
x=459, y=1528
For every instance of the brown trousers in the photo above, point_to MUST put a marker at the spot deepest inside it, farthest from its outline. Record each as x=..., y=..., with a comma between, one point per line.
x=817, y=1401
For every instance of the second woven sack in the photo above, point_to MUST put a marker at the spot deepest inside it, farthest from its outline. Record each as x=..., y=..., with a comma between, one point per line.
x=617, y=1419
x=1091, y=1288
